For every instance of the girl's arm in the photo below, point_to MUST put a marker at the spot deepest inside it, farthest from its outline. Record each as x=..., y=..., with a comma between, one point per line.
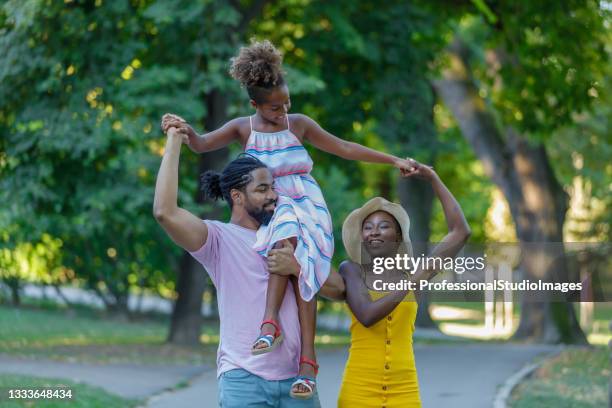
x=207, y=142
x=323, y=140
x=367, y=311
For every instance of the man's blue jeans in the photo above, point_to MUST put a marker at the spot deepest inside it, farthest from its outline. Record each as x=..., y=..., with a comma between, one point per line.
x=240, y=389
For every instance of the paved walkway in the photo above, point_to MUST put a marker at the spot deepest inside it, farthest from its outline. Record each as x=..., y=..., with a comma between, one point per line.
x=462, y=375
x=457, y=375
x=126, y=380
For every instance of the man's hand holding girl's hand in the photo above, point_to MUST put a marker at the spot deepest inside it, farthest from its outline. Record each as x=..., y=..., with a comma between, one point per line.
x=170, y=120
x=174, y=132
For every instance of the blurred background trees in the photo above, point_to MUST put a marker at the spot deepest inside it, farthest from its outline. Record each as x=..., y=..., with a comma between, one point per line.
x=508, y=101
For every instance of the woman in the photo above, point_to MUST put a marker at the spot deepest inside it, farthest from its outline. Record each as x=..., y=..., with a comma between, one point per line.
x=380, y=371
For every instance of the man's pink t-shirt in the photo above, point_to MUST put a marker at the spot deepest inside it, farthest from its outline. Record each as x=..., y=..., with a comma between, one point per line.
x=241, y=277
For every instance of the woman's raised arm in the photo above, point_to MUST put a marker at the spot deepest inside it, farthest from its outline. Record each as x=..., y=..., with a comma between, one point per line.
x=458, y=228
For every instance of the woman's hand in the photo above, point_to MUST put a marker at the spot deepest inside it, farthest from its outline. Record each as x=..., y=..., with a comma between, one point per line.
x=424, y=172
x=411, y=168
x=405, y=166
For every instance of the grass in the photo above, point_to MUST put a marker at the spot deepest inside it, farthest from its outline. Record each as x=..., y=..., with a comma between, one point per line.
x=42, y=330
x=599, y=330
x=576, y=378
x=83, y=396
x=90, y=336
x=87, y=335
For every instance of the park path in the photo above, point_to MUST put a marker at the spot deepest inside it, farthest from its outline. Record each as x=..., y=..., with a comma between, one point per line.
x=454, y=375
x=458, y=375
x=126, y=380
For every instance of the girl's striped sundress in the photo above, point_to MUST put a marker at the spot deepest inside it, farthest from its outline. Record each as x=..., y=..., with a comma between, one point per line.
x=300, y=212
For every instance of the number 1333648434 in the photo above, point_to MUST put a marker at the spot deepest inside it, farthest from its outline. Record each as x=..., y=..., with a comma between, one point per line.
x=46, y=393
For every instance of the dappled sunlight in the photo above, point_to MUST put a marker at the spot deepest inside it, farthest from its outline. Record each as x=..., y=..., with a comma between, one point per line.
x=80, y=340
x=476, y=332
x=454, y=313
x=331, y=339
x=209, y=338
x=488, y=324
x=599, y=339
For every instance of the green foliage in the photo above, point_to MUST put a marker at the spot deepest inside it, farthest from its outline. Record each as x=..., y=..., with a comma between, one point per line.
x=85, y=83
x=458, y=167
x=341, y=199
x=540, y=63
x=34, y=262
x=543, y=68
x=372, y=59
x=581, y=158
x=79, y=152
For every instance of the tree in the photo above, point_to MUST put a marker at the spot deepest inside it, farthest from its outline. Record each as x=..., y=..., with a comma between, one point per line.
x=509, y=129
x=220, y=28
x=79, y=151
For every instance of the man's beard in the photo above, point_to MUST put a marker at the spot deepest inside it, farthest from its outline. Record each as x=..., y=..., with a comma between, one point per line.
x=261, y=215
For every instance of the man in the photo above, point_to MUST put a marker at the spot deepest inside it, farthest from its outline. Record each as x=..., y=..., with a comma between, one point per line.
x=240, y=276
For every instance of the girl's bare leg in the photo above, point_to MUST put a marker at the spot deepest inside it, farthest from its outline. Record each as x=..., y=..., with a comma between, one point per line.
x=277, y=284
x=307, y=312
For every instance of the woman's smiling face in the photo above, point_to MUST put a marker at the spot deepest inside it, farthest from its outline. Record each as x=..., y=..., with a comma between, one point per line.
x=381, y=234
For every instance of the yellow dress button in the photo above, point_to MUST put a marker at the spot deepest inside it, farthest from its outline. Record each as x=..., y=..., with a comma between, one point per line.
x=384, y=387
x=388, y=341
x=387, y=366
x=389, y=318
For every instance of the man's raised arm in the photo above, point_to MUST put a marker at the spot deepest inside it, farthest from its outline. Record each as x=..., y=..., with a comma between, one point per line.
x=184, y=228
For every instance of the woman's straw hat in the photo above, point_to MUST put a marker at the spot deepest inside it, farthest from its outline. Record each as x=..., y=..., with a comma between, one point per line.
x=351, y=229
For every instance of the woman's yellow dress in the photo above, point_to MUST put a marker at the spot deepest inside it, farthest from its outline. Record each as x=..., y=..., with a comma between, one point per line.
x=380, y=371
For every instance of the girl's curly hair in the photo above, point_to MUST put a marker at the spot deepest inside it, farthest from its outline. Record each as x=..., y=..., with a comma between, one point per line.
x=258, y=68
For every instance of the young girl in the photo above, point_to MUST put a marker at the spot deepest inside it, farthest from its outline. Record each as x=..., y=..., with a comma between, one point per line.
x=301, y=216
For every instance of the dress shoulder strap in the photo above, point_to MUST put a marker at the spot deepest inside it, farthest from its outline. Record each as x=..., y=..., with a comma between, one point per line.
x=288, y=127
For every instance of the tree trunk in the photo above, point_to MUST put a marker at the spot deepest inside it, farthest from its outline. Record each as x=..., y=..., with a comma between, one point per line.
x=13, y=285
x=416, y=196
x=59, y=292
x=185, y=326
x=186, y=322
x=537, y=202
